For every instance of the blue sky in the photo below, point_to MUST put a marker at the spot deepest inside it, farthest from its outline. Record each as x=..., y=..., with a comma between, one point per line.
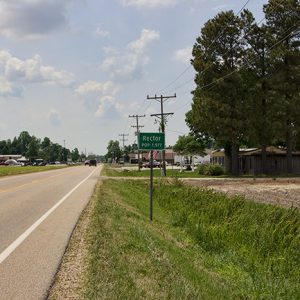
x=74, y=70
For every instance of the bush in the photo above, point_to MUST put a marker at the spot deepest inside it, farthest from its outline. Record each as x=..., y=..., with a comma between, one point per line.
x=210, y=170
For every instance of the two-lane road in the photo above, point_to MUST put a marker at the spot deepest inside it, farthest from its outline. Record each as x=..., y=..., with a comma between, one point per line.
x=38, y=213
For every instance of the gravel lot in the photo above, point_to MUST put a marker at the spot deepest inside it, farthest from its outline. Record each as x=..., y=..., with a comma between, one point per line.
x=284, y=191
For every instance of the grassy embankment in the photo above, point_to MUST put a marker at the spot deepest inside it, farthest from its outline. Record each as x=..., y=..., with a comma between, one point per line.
x=201, y=245
x=5, y=171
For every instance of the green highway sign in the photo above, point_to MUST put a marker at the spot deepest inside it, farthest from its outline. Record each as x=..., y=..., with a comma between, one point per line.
x=151, y=141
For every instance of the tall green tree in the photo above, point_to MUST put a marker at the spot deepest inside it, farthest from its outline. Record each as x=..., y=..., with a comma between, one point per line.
x=24, y=140
x=45, y=151
x=262, y=121
x=15, y=147
x=282, y=21
x=75, y=154
x=113, y=150
x=219, y=100
x=189, y=145
x=33, y=148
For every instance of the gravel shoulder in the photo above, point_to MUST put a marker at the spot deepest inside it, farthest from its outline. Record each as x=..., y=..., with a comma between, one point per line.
x=283, y=192
x=69, y=280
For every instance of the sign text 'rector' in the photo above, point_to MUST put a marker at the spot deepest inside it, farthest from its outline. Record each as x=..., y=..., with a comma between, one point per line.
x=151, y=138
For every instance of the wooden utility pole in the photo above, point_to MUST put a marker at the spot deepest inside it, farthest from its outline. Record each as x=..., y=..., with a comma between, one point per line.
x=162, y=116
x=137, y=126
x=123, y=140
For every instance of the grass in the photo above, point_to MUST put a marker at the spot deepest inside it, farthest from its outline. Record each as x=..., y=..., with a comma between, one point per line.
x=201, y=245
x=6, y=171
x=130, y=258
x=255, y=246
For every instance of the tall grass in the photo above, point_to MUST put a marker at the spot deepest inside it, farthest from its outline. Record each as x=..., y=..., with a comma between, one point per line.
x=129, y=258
x=201, y=245
x=254, y=245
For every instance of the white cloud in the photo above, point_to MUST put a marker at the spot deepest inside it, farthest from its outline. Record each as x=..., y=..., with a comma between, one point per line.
x=184, y=55
x=7, y=89
x=147, y=36
x=109, y=106
x=129, y=63
x=149, y=3
x=31, y=19
x=90, y=86
x=105, y=93
x=101, y=32
x=18, y=71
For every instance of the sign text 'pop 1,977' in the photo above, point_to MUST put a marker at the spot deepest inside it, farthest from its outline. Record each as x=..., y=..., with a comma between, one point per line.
x=151, y=141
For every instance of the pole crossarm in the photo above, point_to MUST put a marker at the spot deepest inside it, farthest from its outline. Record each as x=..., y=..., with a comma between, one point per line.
x=159, y=115
x=162, y=116
x=137, y=126
x=123, y=138
x=160, y=98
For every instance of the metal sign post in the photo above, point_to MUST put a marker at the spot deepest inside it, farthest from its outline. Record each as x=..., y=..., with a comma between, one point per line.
x=151, y=186
x=151, y=141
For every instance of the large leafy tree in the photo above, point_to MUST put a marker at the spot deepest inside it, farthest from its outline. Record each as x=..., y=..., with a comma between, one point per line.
x=75, y=154
x=45, y=150
x=24, y=140
x=282, y=21
x=189, y=145
x=261, y=117
x=218, y=108
x=113, y=150
x=33, y=148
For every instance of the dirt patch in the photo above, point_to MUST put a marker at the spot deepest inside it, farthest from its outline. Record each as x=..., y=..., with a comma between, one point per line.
x=284, y=192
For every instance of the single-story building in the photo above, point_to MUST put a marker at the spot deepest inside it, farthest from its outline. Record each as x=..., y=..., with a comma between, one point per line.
x=250, y=160
x=5, y=157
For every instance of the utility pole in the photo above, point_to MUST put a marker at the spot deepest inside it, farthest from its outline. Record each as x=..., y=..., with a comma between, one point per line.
x=123, y=140
x=162, y=117
x=137, y=133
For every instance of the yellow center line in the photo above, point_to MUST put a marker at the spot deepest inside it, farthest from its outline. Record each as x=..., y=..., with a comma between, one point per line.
x=31, y=183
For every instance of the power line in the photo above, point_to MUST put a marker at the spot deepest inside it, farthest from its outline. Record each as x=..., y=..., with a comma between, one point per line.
x=180, y=132
x=123, y=138
x=162, y=115
x=242, y=38
x=137, y=126
x=248, y=62
x=187, y=68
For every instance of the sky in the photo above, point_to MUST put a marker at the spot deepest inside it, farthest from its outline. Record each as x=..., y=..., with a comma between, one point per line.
x=74, y=70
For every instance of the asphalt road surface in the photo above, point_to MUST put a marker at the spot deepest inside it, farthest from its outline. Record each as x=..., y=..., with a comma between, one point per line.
x=38, y=213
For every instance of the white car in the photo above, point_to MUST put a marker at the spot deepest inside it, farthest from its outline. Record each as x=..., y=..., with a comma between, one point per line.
x=12, y=162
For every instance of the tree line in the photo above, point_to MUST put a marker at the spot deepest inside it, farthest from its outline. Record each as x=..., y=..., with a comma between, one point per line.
x=247, y=81
x=33, y=148
x=115, y=153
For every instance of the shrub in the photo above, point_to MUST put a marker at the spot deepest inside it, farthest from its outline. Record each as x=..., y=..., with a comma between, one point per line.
x=210, y=170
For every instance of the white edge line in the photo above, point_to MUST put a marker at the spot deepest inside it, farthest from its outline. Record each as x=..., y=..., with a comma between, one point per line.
x=13, y=246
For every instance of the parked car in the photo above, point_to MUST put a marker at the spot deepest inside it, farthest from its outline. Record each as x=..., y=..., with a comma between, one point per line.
x=12, y=162
x=156, y=164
